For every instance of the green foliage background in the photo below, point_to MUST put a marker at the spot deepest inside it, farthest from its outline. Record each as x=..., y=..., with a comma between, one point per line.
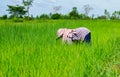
x=29, y=49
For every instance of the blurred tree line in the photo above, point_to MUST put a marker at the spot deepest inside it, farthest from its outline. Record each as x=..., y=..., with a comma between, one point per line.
x=18, y=13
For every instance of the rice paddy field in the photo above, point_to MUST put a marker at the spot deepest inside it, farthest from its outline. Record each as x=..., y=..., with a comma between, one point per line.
x=29, y=49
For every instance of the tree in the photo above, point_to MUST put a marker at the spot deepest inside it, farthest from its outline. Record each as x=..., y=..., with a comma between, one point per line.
x=28, y=3
x=101, y=17
x=56, y=8
x=56, y=16
x=83, y=16
x=119, y=13
x=107, y=14
x=87, y=9
x=115, y=15
x=44, y=16
x=16, y=11
x=4, y=17
x=74, y=13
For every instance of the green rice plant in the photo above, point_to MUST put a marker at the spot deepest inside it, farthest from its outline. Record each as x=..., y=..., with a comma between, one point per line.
x=29, y=49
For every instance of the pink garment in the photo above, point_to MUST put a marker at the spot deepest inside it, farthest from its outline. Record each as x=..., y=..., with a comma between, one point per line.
x=63, y=32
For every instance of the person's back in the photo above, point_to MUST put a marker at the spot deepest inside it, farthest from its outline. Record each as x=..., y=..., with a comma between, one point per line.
x=82, y=34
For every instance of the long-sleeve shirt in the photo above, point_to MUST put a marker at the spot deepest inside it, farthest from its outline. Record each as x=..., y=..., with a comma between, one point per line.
x=80, y=34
